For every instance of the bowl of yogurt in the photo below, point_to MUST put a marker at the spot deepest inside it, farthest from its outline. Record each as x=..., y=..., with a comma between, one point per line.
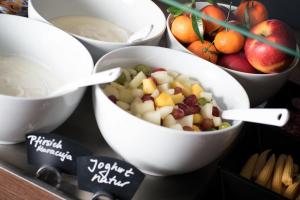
x=35, y=60
x=102, y=25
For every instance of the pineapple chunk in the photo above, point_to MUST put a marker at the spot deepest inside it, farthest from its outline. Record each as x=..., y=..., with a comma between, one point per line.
x=186, y=121
x=166, y=110
x=164, y=99
x=111, y=90
x=144, y=107
x=217, y=121
x=152, y=116
x=178, y=98
x=197, y=119
x=176, y=126
x=206, y=111
x=197, y=90
x=187, y=91
x=123, y=105
x=155, y=93
x=137, y=80
x=137, y=92
x=126, y=95
x=206, y=95
x=169, y=120
x=149, y=86
x=196, y=128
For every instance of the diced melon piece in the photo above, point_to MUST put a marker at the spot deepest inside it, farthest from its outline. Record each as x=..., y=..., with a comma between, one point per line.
x=152, y=116
x=161, y=77
x=178, y=98
x=111, y=90
x=144, y=107
x=197, y=90
x=184, y=79
x=206, y=95
x=169, y=120
x=217, y=121
x=127, y=74
x=206, y=111
x=186, y=121
x=137, y=80
x=164, y=87
x=117, y=85
x=149, y=86
x=123, y=105
x=155, y=93
x=186, y=90
x=137, y=92
x=197, y=119
x=126, y=95
x=132, y=72
x=176, y=126
x=171, y=91
x=173, y=74
x=164, y=99
x=196, y=128
x=166, y=110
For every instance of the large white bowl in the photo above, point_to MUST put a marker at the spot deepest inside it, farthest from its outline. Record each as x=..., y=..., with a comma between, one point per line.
x=260, y=87
x=158, y=150
x=132, y=15
x=54, y=48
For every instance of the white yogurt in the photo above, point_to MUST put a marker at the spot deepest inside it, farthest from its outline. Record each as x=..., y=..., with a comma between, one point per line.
x=91, y=27
x=23, y=77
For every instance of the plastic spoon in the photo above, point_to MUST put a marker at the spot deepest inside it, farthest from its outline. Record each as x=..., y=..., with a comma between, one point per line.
x=93, y=79
x=275, y=117
x=141, y=34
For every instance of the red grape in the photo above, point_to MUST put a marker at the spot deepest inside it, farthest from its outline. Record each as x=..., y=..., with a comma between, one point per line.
x=147, y=97
x=158, y=69
x=177, y=90
x=177, y=113
x=113, y=98
x=216, y=112
x=190, y=100
x=207, y=124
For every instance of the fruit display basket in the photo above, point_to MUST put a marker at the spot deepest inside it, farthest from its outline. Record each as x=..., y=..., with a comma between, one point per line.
x=218, y=180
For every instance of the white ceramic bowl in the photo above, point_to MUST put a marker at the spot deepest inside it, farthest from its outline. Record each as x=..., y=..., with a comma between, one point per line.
x=132, y=15
x=260, y=87
x=54, y=48
x=158, y=150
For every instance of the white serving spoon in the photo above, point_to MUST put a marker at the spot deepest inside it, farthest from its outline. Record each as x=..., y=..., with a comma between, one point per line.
x=140, y=34
x=270, y=116
x=93, y=79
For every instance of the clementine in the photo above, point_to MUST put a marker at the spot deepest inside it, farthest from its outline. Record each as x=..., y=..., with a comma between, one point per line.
x=205, y=50
x=229, y=41
x=182, y=29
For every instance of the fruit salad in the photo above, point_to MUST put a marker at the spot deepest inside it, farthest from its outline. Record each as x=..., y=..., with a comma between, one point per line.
x=165, y=98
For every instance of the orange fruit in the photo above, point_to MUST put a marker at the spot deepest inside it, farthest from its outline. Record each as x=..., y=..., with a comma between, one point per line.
x=229, y=41
x=205, y=50
x=213, y=11
x=257, y=12
x=182, y=29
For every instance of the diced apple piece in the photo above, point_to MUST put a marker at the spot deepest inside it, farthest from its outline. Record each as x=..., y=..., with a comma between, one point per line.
x=137, y=80
x=149, y=86
x=186, y=121
x=169, y=120
x=217, y=121
x=166, y=110
x=184, y=79
x=153, y=117
x=126, y=95
x=161, y=77
x=123, y=105
x=111, y=90
x=144, y=107
x=173, y=74
x=178, y=98
x=176, y=126
x=186, y=90
x=164, y=87
x=155, y=93
x=171, y=91
x=206, y=95
x=197, y=90
x=137, y=92
x=164, y=99
x=206, y=111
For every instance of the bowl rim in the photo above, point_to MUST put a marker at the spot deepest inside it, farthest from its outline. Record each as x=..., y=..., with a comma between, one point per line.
x=169, y=130
x=293, y=64
x=99, y=42
x=74, y=40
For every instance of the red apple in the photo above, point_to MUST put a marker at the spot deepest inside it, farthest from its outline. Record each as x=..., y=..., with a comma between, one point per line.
x=264, y=57
x=237, y=61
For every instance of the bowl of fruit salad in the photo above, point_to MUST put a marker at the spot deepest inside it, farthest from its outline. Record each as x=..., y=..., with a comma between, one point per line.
x=261, y=69
x=163, y=113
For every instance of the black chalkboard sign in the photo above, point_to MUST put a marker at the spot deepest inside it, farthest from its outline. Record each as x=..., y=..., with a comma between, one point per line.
x=115, y=177
x=55, y=151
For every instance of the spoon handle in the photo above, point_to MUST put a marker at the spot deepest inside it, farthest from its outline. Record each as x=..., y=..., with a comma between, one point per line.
x=275, y=117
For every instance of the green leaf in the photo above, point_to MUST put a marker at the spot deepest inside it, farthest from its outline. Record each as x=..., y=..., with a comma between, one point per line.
x=211, y=1
x=175, y=11
x=198, y=23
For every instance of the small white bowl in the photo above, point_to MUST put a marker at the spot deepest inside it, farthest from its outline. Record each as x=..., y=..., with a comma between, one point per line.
x=155, y=149
x=260, y=87
x=132, y=15
x=55, y=49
